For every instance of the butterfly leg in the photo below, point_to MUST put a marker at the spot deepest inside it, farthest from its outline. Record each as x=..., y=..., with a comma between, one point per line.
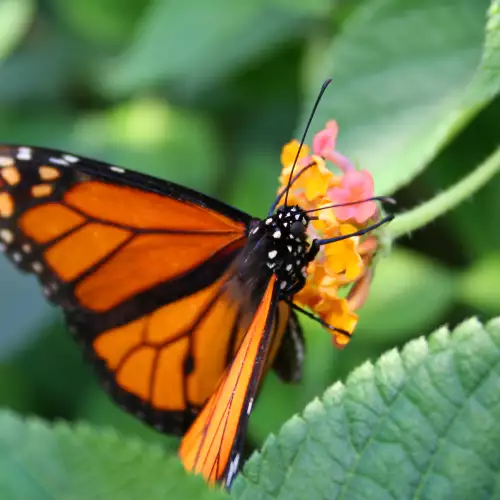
x=313, y=251
x=290, y=302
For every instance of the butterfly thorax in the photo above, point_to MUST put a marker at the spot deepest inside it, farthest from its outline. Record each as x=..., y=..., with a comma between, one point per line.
x=279, y=245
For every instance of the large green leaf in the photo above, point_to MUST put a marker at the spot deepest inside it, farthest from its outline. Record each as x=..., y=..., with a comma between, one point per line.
x=15, y=19
x=196, y=43
x=40, y=461
x=423, y=423
x=104, y=21
x=478, y=285
x=148, y=135
x=486, y=82
x=405, y=81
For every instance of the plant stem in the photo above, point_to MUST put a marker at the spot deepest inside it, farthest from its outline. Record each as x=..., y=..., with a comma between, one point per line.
x=440, y=204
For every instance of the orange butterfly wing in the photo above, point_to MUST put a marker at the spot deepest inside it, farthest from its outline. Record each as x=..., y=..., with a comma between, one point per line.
x=139, y=266
x=212, y=446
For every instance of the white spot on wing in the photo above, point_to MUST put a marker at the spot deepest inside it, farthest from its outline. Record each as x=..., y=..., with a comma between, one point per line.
x=71, y=158
x=118, y=170
x=5, y=161
x=233, y=469
x=283, y=285
x=26, y=248
x=249, y=407
x=7, y=235
x=289, y=248
x=24, y=154
x=277, y=234
x=272, y=254
x=59, y=161
x=289, y=267
x=268, y=221
x=37, y=267
x=17, y=257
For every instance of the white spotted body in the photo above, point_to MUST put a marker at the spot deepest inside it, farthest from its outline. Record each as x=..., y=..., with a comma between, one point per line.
x=280, y=241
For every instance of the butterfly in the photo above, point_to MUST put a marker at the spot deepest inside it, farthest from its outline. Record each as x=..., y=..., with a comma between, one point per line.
x=181, y=302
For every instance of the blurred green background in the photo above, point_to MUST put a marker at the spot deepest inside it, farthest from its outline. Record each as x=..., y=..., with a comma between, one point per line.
x=205, y=93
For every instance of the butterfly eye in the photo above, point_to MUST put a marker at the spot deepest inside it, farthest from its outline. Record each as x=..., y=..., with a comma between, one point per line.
x=297, y=229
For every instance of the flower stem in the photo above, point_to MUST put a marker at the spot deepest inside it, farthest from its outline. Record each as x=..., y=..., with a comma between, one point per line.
x=440, y=204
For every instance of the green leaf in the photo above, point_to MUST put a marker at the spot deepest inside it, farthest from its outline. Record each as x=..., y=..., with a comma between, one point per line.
x=405, y=81
x=38, y=71
x=147, y=135
x=316, y=7
x=409, y=294
x=41, y=461
x=102, y=21
x=98, y=409
x=197, y=43
x=423, y=423
x=486, y=82
x=15, y=19
x=478, y=286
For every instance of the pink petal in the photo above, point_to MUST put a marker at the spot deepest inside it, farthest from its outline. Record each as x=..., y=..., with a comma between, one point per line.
x=355, y=186
x=340, y=160
x=323, y=143
x=345, y=213
x=365, y=211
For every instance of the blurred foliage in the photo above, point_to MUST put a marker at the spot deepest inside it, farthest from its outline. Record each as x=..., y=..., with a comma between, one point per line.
x=81, y=462
x=205, y=94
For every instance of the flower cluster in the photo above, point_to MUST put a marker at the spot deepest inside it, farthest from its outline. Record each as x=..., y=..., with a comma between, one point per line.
x=339, y=278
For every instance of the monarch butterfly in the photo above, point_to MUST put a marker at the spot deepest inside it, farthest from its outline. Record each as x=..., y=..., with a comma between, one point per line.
x=180, y=301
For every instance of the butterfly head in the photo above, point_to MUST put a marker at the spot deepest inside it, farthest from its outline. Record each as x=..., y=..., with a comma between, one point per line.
x=287, y=250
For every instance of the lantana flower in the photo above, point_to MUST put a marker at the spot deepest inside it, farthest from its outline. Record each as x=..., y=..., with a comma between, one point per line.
x=354, y=186
x=338, y=280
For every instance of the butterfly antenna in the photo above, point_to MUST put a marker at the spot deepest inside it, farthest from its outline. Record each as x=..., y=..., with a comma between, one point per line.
x=326, y=241
x=318, y=99
x=383, y=199
x=285, y=189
